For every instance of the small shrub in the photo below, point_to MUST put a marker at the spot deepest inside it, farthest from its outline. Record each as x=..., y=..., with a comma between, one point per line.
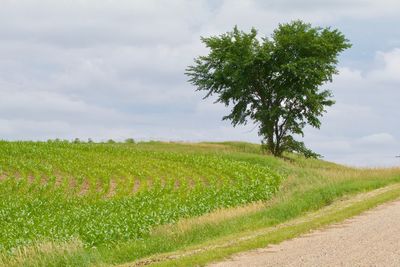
x=130, y=141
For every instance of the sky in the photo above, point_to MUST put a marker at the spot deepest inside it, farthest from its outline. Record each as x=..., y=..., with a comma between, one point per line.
x=105, y=69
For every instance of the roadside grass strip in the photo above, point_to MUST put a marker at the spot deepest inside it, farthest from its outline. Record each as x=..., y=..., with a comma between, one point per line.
x=337, y=212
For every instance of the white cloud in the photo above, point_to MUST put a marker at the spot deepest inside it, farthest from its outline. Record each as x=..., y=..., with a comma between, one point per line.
x=41, y=106
x=390, y=71
x=377, y=139
x=90, y=23
x=336, y=9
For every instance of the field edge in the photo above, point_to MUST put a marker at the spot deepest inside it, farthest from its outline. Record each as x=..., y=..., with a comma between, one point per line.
x=218, y=250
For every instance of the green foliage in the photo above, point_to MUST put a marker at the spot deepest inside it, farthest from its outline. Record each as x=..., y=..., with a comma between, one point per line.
x=274, y=82
x=129, y=141
x=103, y=194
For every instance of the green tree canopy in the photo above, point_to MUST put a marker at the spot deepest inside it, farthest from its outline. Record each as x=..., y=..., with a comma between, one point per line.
x=274, y=81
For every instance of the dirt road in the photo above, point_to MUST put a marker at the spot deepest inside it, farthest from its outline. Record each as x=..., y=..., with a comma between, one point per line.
x=371, y=239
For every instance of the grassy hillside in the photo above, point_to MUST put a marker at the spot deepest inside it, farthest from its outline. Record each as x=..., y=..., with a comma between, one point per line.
x=82, y=204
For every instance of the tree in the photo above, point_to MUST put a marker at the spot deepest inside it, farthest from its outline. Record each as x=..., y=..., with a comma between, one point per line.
x=274, y=82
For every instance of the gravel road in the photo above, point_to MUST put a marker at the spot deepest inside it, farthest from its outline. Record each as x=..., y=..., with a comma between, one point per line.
x=371, y=239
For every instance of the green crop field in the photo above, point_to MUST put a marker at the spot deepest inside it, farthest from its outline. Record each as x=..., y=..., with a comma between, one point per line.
x=102, y=194
x=73, y=204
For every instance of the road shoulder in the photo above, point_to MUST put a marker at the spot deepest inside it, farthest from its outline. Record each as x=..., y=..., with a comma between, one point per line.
x=220, y=249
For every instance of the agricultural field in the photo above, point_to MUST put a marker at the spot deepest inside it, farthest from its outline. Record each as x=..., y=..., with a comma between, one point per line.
x=102, y=194
x=82, y=204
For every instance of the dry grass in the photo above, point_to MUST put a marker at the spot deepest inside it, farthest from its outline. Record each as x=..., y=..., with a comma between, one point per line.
x=214, y=217
x=112, y=188
x=3, y=176
x=33, y=253
x=346, y=173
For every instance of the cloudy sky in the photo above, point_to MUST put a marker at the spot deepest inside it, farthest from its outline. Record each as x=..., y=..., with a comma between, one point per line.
x=115, y=69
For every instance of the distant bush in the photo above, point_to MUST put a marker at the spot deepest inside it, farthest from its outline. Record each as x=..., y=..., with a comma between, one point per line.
x=130, y=141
